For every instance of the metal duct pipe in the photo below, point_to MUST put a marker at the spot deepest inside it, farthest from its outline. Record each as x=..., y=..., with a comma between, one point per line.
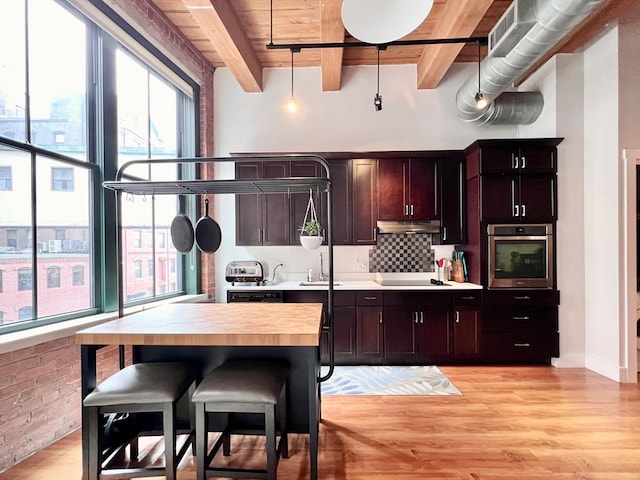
x=554, y=19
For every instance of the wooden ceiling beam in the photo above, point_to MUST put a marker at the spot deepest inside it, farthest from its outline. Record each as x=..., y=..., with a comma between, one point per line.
x=222, y=28
x=331, y=30
x=459, y=19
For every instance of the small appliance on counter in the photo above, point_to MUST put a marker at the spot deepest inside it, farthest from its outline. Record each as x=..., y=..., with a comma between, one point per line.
x=246, y=272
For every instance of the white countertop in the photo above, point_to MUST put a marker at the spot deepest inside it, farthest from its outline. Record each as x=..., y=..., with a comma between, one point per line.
x=354, y=285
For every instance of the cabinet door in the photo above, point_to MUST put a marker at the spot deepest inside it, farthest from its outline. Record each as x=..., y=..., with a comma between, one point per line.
x=537, y=198
x=275, y=207
x=393, y=190
x=498, y=160
x=423, y=189
x=521, y=159
x=540, y=159
x=400, y=325
x=498, y=197
x=434, y=337
x=342, y=202
x=452, y=201
x=248, y=208
x=299, y=201
x=369, y=334
x=344, y=336
x=365, y=204
x=466, y=333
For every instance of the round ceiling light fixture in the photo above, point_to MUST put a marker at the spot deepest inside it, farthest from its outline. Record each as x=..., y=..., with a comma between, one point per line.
x=383, y=21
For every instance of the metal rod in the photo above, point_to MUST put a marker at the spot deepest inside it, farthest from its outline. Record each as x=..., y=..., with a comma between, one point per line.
x=395, y=43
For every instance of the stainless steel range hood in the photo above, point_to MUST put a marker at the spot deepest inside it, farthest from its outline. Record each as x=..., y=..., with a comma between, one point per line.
x=409, y=226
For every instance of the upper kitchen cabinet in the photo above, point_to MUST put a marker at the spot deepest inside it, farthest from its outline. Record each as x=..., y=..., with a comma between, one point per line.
x=453, y=217
x=515, y=180
x=365, y=201
x=262, y=219
x=408, y=188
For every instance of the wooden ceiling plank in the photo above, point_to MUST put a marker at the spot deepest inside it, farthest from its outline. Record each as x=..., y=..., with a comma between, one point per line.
x=220, y=25
x=459, y=19
x=331, y=30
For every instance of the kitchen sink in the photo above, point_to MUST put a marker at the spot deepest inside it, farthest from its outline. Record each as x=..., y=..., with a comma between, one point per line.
x=320, y=284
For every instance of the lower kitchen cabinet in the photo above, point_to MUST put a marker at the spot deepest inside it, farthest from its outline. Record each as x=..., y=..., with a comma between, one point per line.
x=369, y=327
x=467, y=315
x=520, y=327
x=417, y=327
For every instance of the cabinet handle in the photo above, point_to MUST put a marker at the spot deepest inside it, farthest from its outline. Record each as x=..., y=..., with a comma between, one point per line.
x=375, y=234
x=524, y=210
x=457, y=317
x=444, y=233
x=523, y=162
x=470, y=297
x=516, y=211
x=524, y=345
x=421, y=317
x=514, y=161
x=411, y=209
x=520, y=318
x=406, y=210
x=415, y=317
x=370, y=298
x=260, y=235
x=523, y=297
x=380, y=317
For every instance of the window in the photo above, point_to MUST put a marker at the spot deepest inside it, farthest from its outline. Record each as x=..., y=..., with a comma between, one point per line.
x=62, y=154
x=53, y=277
x=1, y=317
x=24, y=279
x=162, y=238
x=62, y=179
x=78, y=275
x=5, y=178
x=150, y=267
x=137, y=239
x=0, y=281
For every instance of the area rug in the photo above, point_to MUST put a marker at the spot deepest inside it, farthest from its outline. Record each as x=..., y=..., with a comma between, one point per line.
x=388, y=380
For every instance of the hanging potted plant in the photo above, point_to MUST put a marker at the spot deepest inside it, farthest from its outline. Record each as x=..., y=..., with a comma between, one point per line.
x=310, y=231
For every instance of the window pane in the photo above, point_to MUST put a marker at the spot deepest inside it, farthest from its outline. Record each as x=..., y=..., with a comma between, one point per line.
x=57, y=79
x=63, y=237
x=16, y=236
x=12, y=67
x=6, y=182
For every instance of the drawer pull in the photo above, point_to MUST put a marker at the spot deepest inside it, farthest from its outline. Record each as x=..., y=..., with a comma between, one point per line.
x=522, y=345
x=380, y=317
x=370, y=298
x=523, y=297
x=468, y=298
x=520, y=318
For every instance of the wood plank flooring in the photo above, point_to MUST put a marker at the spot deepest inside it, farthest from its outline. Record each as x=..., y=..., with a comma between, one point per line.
x=525, y=423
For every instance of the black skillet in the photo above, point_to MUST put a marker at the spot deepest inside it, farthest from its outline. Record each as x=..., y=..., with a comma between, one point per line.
x=208, y=234
x=182, y=233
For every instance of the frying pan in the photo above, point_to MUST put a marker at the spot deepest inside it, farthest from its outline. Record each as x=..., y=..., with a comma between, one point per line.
x=208, y=234
x=182, y=233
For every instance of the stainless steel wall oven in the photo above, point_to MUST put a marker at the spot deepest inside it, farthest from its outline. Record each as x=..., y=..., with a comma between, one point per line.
x=520, y=256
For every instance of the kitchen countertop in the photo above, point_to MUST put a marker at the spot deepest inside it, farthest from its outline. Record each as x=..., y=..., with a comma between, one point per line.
x=355, y=285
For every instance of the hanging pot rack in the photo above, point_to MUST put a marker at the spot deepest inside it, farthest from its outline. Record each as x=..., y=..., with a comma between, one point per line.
x=132, y=186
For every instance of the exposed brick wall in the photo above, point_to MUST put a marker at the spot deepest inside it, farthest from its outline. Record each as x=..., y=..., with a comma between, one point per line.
x=40, y=395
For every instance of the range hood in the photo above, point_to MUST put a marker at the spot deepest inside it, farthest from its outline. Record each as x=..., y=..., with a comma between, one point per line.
x=409, y=226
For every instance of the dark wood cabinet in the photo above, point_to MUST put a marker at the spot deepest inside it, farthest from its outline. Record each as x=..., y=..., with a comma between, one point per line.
x=518, y=158
x=365, y=201
x=262, y=219
x=298, y=201
x=453, y=218
x=417, y=327
x=466, y=326
x=341, y=180
x=369, y=327
x=408, y=188
x=520, y=326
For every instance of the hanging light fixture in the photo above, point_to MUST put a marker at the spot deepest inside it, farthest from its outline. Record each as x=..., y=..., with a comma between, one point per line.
x=481, y=102
x=377, y=100
x=292, y=104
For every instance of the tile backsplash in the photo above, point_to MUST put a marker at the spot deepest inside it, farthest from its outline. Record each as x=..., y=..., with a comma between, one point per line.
x=402, y=253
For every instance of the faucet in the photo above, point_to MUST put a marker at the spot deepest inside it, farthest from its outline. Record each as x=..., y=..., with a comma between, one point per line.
x=321, y=275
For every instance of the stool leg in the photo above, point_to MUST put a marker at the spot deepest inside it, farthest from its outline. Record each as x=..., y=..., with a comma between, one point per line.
x=282, y=419
x=201, y=441
x=226, y=436
x=94, y=447
x=270, y=433
x=169, y=428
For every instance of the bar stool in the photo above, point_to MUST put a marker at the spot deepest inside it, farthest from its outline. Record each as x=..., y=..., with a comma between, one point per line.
x=141, y=387
x=242, y=386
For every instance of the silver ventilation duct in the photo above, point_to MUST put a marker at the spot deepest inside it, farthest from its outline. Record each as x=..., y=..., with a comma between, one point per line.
x=531, y=39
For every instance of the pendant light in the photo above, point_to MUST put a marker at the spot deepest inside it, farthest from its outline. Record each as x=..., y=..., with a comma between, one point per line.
x=481, y=102
x=292, y=104
x=377, y=100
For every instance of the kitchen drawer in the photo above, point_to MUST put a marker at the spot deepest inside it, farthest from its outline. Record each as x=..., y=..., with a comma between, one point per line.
x=368, y=298
x=472, y=298
x=521, y=297
x=520, y=319
x=433, y=298
x=516, y=348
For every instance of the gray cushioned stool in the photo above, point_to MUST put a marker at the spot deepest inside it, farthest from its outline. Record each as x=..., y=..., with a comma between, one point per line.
x=242, y=386
x=141, y=387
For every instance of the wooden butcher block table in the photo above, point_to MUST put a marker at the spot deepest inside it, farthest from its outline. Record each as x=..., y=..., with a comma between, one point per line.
x=209, y=334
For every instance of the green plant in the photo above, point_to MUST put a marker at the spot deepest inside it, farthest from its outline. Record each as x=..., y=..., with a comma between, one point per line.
x=311, y=228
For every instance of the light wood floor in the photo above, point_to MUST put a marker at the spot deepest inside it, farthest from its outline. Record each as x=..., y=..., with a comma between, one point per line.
x=525, y=423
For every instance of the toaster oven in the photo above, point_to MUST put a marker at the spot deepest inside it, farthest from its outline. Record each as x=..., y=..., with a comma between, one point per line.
x=246, y=272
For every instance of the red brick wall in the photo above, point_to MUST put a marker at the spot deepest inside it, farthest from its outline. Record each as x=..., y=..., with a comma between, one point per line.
x=40, y=395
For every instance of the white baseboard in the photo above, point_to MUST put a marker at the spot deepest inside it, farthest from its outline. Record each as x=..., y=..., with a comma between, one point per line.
x=572, y=360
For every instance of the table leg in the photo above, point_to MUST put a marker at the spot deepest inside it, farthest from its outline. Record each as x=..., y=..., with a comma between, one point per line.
x=88, y=383
x=313, y=413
